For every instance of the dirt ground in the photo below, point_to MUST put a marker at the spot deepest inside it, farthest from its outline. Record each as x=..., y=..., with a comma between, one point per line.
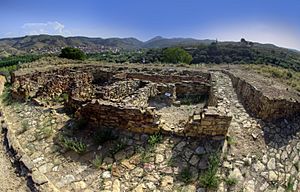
x=9, y=180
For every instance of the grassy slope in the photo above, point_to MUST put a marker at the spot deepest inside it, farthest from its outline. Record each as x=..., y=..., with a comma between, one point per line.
x=286, y=76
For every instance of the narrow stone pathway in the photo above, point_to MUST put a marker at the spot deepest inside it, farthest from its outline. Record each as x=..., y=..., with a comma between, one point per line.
x=260, y=156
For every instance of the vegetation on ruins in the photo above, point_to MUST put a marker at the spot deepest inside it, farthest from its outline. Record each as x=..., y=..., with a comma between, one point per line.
x=6, y=96
x=230, y=140
x=46, y=128
x=210, y=179
x=74, y=144
x=185, y=175
x=72, y=53
x=24, y=127
x=190, y=99
x=154, y=139
x=231, y=181
x=97, y=162
x=64, y=97
x=118, y=147
x=145, y=154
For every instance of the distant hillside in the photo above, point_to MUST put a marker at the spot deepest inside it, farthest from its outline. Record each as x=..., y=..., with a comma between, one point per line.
x=160, y=42
x=52, y=44
x=202, y=51
x=245, y=53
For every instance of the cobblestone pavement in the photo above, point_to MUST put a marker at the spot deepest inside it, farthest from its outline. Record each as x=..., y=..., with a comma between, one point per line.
x=261, y=156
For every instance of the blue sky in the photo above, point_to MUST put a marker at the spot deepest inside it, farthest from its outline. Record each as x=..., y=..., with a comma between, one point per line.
x=267, y=21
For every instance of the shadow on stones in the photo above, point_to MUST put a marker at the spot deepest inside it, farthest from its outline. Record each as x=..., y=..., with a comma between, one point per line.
x=141, y=155
x=279, y=133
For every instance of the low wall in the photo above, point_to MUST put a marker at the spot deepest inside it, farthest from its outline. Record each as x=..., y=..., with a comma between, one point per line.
x=216, y=118
x=208, y=122
x=191, y=88
x=140, y=97
x=50, y=84
x=108, y=114
x=260, y=104
x=119, y=90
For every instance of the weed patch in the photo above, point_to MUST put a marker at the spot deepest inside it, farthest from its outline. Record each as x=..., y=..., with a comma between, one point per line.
x=231, y=181
x=97, y=162
x=210, y=179
x=73, y=144
x=155, y=139
x=118, y=147
x=185, y=175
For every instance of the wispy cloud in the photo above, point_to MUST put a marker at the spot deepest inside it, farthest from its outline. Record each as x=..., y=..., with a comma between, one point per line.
x=51, y=28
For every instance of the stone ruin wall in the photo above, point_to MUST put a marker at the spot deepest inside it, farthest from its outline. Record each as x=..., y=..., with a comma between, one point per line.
x=51, y=84
x=261, y=105
x=131, y=111
x=108, y=114
x=213, y=120
x=118, y=90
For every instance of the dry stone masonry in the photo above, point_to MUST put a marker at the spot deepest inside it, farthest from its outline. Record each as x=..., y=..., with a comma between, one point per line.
x=264, y=98
x=135, y=102
x=132, y=98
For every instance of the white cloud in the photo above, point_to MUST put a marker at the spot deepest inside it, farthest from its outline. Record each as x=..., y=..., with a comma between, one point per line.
x=51, y=28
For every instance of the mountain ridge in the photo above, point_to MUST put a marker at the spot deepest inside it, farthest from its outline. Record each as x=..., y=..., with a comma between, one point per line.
x=54, y=43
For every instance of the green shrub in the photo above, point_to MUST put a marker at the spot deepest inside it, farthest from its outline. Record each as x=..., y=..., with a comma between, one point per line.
x=118, y=147
x=72, y=53
x=176, y=55
x=231, y=181
x=154, y=139
x=97, y=162
x=209, y=179
x=74, y=144
x=64, y=97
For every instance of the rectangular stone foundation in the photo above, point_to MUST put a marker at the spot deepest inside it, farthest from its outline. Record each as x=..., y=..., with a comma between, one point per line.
x=120, y=98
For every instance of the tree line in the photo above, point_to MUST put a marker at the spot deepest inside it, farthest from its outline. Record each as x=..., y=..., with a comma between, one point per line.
x=243, y=52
